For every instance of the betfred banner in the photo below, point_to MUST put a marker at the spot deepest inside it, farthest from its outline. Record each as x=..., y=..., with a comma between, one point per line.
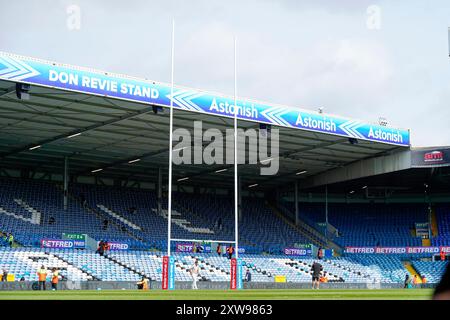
x=445, y=249
x=117, y=246
x=394, y=250
x=297, y=252
x=188, y=247
x=62, y=244
x=42, y=73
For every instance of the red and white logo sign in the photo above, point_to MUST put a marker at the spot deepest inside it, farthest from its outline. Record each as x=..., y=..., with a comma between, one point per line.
x=233, y=271
x=433, y=156
x=165, y=273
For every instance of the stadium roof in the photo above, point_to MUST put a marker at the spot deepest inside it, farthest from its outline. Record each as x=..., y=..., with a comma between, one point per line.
x=125, y=138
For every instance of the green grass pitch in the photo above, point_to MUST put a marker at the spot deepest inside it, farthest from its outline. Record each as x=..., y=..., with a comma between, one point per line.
x=323, y=294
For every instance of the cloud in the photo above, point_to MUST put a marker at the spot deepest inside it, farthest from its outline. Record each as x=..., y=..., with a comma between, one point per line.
x=299, y=53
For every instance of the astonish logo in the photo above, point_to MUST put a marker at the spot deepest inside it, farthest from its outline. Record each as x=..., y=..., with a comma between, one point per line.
x=433, y=156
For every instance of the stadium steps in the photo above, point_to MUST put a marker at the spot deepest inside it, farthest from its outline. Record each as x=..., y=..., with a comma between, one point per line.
x=116, y=261
x=434, y=223
x=307, y=231
x=242, y=239
x=117, y=216
x=35, y=214
x=408, y=266
x=94, y=278
x=99, y=214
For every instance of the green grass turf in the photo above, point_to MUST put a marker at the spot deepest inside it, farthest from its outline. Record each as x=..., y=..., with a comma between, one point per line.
x=323, y=294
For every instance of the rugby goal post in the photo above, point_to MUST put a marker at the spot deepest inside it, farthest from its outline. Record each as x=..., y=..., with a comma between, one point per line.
x=168, y=263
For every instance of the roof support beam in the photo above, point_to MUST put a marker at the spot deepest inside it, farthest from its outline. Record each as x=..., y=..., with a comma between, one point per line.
x=360, y=169
x=8, y=91
x=77, y=131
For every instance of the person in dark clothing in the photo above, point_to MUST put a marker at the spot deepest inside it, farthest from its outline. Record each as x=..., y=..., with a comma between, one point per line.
x=83, y=200
x=316, y=269
x=10, y=240
x=5, y=275
x=248, y=276
x=320, y=253
x=51, y=220
x=407, y=281
x=101, y=248
x=442, y=291
x=105, y=224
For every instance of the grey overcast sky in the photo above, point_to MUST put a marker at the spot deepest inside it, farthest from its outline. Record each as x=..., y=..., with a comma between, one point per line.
x=356, y=58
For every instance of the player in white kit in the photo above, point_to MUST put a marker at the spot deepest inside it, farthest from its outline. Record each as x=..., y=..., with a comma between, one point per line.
x=194, y=274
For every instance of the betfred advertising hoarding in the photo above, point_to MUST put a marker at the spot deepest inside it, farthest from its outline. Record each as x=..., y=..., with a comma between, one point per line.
x=189, y=247
x=118, y=246
x=395, y=250
x=297, y=252
x=62, y=244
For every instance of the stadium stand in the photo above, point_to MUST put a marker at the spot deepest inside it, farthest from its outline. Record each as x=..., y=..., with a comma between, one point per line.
x=85, y=265
x=33, y=210
x=195, y=217
x=364, y=225
x=443, y=222
x=28, y=206
x=432, y=270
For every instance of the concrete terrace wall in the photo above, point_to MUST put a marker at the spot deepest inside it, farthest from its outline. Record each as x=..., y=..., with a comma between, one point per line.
x=183, y=285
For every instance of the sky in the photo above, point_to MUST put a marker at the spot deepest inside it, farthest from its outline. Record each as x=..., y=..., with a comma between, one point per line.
x=356, y=58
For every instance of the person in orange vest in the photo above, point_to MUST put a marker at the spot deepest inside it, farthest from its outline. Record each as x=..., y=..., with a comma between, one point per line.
x=143, y=284
x=424, y=280
x=415, y=280
x=442, y=254
x=55, y=279
x=42, y=277
x=230, y=250
x=219, y=250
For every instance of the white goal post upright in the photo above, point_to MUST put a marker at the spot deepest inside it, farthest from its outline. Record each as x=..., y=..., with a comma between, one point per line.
x=236, y=196
x=168, y=268
x=169, y=200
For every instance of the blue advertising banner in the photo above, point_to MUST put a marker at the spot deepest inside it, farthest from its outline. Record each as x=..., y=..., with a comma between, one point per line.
x=239, y=274
x=171, y=273
x=43, y=73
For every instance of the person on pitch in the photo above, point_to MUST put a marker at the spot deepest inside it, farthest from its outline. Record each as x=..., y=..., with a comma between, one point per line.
x=316, y=269
x=195, y=272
